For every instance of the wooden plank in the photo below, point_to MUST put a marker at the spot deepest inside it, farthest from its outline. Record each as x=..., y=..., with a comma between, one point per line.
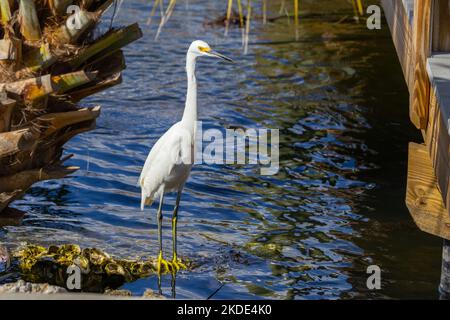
x=437, y=142
x=441, y=18
x=438, y=69
x=420, y=97
x=398, y=20
x=438, y=137
x=423, y=197
x=430, y=131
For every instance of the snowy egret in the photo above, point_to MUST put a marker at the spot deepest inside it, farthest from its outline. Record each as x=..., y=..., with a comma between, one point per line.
x=169, y=162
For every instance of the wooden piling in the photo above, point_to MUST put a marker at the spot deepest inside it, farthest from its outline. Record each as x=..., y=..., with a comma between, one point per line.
x=423, y=197
x=422, y=41
x=444, y=286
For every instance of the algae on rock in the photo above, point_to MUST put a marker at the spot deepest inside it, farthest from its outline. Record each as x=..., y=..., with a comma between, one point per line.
x=99, y=270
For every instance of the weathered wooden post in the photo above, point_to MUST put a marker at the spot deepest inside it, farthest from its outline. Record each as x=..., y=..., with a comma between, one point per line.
x=440, y=43
x=423, y=47
x=444, y=287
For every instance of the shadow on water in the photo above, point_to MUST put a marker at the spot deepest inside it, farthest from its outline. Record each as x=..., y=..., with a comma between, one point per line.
x=308, y=232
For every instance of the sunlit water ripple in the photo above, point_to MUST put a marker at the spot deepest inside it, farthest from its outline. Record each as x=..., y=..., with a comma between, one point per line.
x=335, y=207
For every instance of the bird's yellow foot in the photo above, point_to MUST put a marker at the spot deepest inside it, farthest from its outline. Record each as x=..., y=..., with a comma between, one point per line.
x=178, y=264
x=167, y=266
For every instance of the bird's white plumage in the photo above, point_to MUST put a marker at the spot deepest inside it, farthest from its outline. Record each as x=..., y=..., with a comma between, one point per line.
x=168, y=164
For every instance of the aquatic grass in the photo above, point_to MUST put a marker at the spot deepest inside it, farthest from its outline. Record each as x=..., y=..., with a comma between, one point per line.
x=241, y=19
x=227, y=21
x=246, y=31
x=241, y=14
x=152, y=13
x=264, y=10
x=282, y=6
x=355, y=10
x=296, y=22
x=244, y=20
x=247, y=25
x=165, y=17
x=358, y=9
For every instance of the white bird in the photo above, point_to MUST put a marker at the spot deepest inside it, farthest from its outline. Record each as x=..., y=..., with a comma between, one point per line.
x=169, y=162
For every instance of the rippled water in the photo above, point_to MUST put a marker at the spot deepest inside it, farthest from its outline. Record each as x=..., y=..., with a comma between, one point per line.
x=336, y=206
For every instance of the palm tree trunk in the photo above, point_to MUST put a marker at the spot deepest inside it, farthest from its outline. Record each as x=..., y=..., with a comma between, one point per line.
x=46, y=68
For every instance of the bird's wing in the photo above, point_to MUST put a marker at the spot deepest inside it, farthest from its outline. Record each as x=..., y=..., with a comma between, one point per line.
x=170, y=150
x=150, y=157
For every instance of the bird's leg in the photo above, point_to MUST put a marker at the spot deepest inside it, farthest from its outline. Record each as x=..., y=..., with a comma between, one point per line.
x=177, y=264
x=159, y=285
x=161, y=260
x=174, y=284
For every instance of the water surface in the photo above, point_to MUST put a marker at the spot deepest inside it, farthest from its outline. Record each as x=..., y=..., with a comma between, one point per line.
x=337, y=204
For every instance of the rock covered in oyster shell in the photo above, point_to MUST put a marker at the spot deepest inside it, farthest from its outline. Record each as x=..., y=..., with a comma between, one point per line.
x=98, y=269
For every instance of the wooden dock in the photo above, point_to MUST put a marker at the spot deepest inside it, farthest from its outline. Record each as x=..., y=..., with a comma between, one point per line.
x=421, y=34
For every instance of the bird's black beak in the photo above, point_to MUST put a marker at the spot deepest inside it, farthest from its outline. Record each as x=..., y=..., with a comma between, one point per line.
x=219, y=55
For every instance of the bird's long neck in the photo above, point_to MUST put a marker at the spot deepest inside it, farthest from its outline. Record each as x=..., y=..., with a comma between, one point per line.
x=190, y=110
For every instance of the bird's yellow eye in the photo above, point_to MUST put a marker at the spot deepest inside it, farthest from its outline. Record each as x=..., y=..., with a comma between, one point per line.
x=204, y=49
